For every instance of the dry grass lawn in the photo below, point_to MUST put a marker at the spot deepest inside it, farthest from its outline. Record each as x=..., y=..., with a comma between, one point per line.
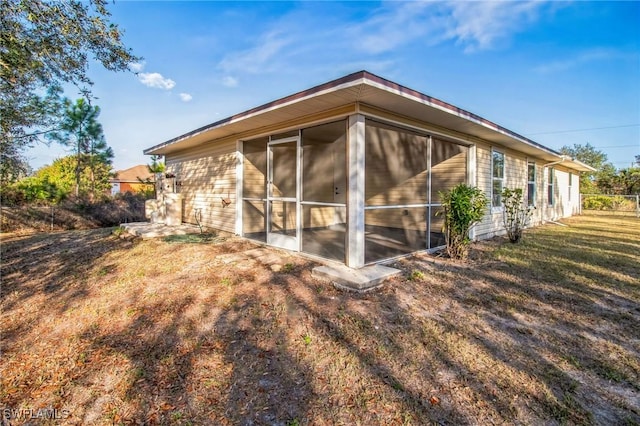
x=112, y=331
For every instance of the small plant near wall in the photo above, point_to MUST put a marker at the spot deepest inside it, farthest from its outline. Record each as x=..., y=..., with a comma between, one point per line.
x=516, y=213
x=464, y=206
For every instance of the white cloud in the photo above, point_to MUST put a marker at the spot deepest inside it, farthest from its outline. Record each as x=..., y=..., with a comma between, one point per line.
x=185, y=97
x=470, y=26
x=156, y=81
x=478, y=25
x=257, y=58
x=136, y=66
x=575, y=61
x=230, y=81
x=391, y=26
x=473, y=25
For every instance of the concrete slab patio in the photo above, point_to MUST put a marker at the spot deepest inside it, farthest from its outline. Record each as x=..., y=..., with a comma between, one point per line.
x=343, y=277
x=147, y=230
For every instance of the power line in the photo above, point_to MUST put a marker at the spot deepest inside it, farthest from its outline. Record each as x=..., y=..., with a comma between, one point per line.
x=582, y=130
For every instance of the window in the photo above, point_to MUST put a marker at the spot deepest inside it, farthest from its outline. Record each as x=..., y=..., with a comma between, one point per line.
x=531, y=183
x=497, y=167
x=570, y=185
x=550, y=182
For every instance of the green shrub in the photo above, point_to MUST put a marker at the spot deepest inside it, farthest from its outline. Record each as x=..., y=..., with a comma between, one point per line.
x=607, y=202
x=516, y=214
x=597, y=202
x=33, y=190
x=464, y=206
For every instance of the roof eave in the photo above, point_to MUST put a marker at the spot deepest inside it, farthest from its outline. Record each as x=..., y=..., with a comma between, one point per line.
x=386, y=86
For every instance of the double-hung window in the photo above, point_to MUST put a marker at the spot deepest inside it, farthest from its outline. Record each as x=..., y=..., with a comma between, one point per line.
x=497, y=167
x=550, y=182
x=531, y=183
x=570, y=186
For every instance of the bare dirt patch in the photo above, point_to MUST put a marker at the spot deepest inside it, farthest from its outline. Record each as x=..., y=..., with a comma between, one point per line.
x=121, y=331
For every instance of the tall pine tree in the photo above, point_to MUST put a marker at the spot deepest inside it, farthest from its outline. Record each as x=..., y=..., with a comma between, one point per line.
x=45, y=45
x=80, y=130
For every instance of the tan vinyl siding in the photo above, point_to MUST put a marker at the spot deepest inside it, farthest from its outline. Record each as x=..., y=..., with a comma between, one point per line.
x=254, y=168
x=253, y=217
x=396, y=166
x=397, y=174
x=411, y=191
x=515, y=176
x=316, y=185
x=322, y=216
x=283, y=216
x=516, y=171
x=412, y=218
x=563, y=206
x=206, y=176
x=484, y=183
x=448, y=166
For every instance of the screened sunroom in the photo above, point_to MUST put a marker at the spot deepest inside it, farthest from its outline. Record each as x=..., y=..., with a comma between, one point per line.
x=298, y=187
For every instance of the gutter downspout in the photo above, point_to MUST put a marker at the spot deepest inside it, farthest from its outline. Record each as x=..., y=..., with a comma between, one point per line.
x=563, y=158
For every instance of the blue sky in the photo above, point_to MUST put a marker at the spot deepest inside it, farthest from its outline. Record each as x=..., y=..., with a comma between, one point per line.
x=542, y=69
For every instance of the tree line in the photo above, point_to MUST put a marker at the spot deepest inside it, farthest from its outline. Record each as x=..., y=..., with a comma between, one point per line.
x=45, y=45
x=607, y=179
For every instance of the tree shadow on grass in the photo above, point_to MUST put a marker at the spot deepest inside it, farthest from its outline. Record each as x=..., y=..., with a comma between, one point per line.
x=159, y=347
x=570, y=325
x=268, y=385
x=277, y=348
x=57, y=266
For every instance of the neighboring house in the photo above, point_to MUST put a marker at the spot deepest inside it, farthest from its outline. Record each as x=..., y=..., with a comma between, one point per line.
x=350, y=170
x=135, y=179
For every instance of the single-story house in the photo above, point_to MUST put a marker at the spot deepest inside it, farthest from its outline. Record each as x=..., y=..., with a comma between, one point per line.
x=350, y=170
x=134, y=179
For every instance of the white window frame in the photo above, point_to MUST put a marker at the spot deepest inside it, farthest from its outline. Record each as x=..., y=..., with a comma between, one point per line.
x=531, y=200
x=551, y=178
x=570, y=186
x=494, y=151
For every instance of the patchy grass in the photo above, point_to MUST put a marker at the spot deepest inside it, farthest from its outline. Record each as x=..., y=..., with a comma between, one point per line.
x=202, y=238
x=541, y=332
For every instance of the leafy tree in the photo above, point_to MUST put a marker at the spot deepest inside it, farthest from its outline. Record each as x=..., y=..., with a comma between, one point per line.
x=45, y=44
x=464, y=206
x=55, y=182
x=13, y=165
x=628, y=181
x=594, y=182
x=35, y=189
x=21, y=122
x=81, y=131
x=63, y=174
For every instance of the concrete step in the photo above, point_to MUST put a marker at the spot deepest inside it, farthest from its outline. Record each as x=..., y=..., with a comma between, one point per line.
x=359, y=280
